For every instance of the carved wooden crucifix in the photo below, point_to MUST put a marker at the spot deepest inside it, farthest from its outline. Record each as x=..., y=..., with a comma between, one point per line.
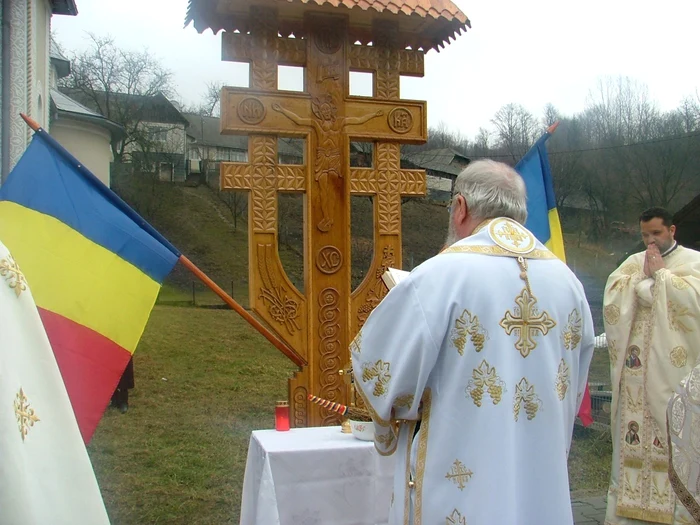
x=320, y=323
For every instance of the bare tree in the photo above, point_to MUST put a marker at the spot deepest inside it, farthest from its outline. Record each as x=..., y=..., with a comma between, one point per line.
x=210, y=103
x=236, y=202
x=110, y=80
x=516, y=129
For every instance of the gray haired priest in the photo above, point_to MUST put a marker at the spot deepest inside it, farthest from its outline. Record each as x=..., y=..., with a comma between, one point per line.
x=652, y=323
x=474, y=366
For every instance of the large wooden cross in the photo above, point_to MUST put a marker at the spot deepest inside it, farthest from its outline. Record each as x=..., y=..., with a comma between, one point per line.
x=320, y=323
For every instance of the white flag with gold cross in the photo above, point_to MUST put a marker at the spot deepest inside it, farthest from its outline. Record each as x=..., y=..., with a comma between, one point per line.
x=45, y=472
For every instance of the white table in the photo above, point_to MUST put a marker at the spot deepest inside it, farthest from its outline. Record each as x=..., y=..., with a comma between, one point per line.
x=315, y=476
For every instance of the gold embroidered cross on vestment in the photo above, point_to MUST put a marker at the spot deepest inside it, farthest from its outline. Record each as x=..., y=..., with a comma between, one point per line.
x=459, y=474
x=24, y=413
x=526, y=322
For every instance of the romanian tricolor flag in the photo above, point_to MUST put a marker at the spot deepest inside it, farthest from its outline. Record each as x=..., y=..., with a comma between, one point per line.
x=542, y=215
x=543, y=218
x=94, y=264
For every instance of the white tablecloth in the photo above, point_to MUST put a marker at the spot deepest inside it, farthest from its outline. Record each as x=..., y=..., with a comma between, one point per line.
x=315, y=476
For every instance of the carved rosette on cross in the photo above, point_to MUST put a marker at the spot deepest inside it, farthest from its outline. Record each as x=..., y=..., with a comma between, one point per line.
x=320, y=323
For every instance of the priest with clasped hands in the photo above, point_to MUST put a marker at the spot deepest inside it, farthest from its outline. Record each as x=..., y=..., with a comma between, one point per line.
x=651, y=310
x=474, y=366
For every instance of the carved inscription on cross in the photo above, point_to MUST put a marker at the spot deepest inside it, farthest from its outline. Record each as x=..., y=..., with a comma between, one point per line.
x=526, y=322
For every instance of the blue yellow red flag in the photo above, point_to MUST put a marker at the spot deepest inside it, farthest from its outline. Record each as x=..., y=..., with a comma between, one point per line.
x=95, y=265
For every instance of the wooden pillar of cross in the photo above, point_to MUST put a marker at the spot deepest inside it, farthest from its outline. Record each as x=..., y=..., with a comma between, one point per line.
x=386, y=181
x=318, y=324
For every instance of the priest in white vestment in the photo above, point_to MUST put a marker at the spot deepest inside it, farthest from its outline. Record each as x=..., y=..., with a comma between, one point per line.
x=485, y=350
x=651, y=310
x=45, y=473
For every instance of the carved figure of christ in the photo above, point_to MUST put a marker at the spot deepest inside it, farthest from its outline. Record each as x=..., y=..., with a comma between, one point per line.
x=329, y=133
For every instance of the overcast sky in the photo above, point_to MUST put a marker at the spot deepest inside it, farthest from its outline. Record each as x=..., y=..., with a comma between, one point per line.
x=525, y=52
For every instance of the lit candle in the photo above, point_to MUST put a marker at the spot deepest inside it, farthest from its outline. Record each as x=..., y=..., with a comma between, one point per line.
x=282, y=416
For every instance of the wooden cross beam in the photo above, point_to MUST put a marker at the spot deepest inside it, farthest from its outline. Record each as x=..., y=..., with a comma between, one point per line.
x=245, y=111
x=388, y=183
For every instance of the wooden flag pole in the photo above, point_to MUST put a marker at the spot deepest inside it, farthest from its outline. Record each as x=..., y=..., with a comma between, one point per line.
x=267, y=334
x=264, y=331
x=551, y=129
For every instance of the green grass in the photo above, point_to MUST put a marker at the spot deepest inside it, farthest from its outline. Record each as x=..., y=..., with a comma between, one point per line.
x=204, y=381
x=590, y=461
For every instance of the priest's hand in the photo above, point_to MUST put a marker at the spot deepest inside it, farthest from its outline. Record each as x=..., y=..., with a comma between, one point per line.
x=653, y=260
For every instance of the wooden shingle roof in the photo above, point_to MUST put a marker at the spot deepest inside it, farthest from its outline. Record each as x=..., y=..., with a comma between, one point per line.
x=423, y=24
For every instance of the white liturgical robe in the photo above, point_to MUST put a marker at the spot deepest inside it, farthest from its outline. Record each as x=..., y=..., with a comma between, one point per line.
x=45, y=472
x=652, y=326
x=485, y=347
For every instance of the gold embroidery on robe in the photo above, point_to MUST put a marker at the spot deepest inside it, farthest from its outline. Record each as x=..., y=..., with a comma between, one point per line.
x=407, y=493
x=659, y=495
x=455, y=518
x=485, y=377
x=404, y=401
x=678, y=283
x=641, y=319
x=26, y=417
x=675, y=314
x=387, y=439
x=572, y=332
x=679, y=357
x=526, y=322
x=621, y=283
x=612, y=350
x=500, y=252
x=630, y=269
x=634, y=402
x=380, y=372
x=611, y=314
x=468, y=325
x=9, y=269
x=459, y=474
x=562, y=383
x=421, y=455
x=525, y=395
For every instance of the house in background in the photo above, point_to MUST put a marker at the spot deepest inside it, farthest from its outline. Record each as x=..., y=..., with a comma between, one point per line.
x=83, y=132
x=155, y=131
x=207, y=148
x=441, y=168
x=25, y=71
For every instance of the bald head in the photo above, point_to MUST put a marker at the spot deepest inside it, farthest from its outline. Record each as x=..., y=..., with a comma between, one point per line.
x=493, y=189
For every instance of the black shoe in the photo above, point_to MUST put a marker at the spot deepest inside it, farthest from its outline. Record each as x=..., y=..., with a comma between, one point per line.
x=123, y=407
